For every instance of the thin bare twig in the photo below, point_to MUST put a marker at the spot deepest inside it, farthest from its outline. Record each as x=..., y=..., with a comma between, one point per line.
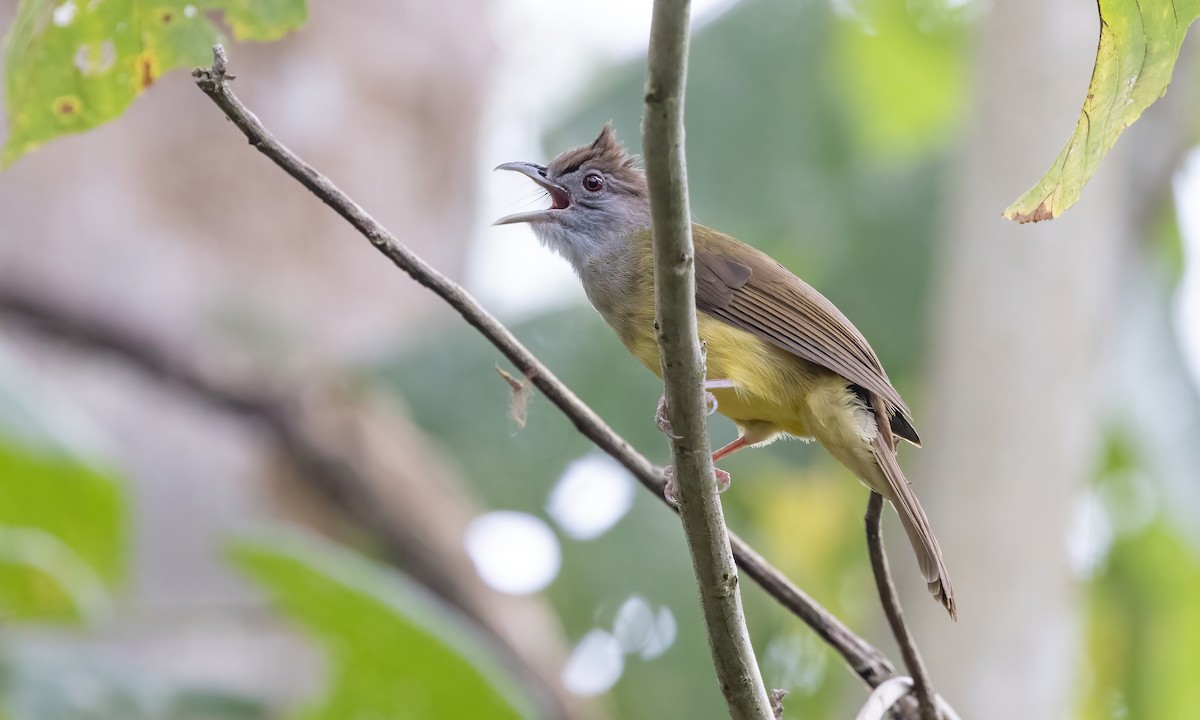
x=922, y=686
x=683, y=366
x=871, y=665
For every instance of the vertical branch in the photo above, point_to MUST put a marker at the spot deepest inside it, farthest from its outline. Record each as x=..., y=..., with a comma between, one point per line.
x=922, y=686
x=683, y=366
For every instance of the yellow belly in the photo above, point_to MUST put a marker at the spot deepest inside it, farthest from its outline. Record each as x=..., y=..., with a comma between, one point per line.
x=771, y=386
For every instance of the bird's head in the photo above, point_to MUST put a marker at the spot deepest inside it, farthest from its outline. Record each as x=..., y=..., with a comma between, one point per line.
x=597, y=196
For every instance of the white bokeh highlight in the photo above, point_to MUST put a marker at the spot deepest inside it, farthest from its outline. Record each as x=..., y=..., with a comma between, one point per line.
x=795, y=663
x=642, y=630
x=1186, y=187
x=1090, y=536
x=592, y=495
x=513, y=552
x=633, y=623
x=64, y=14
x=595, y=665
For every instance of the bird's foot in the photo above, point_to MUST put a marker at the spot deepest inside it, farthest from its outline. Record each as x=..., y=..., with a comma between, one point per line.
x=723, y=479
x=660, y=417
x=710, y=400
x=710, y=403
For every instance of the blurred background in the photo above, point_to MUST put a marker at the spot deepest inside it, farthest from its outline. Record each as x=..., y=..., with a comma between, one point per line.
x=248, y=470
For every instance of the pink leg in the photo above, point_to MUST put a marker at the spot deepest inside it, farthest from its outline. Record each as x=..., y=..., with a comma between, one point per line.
x=730, y=449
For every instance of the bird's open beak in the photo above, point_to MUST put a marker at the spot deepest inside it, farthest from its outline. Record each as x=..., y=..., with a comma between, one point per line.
x=559, y=199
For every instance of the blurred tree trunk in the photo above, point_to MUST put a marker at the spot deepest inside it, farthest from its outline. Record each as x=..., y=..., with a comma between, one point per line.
x=1010, y=414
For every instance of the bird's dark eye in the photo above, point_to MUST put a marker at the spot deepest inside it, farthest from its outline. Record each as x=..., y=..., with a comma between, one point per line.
x=594, y=182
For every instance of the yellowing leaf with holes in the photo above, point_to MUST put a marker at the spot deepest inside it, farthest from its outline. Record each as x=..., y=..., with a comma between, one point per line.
x=1139, y=42
x=70, y=65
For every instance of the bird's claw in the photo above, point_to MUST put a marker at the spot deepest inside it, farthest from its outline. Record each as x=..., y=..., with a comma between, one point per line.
x=710, y=405
x=710, y=400
x=722, y=478
x=660, y=417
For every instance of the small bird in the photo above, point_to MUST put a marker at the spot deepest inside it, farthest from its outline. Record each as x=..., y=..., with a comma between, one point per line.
x=782, y=360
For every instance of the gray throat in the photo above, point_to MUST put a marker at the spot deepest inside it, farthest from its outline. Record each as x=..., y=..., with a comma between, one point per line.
x=601, y=256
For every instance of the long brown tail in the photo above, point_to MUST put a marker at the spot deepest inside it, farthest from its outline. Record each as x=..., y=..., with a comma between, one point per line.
x=916, y=525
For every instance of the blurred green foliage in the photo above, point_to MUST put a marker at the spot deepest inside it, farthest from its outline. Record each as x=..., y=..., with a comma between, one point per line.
x=70, y=65
x=62, y=536
x=64, y=551
x=394, y=651
x=1143, y=628
x=1142, y=625
x=900, y=73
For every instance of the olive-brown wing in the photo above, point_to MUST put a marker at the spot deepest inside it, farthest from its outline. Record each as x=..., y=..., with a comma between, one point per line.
x=747, y=289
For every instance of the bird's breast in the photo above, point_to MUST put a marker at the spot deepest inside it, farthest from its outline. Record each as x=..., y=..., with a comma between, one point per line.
x=770, y=385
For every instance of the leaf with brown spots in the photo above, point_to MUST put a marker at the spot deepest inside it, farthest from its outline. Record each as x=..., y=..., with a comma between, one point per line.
x=1139, y=43
x=70, y=65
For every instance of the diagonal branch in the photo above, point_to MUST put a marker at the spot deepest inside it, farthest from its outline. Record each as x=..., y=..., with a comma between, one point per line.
x=683, y=366
x=871, y=665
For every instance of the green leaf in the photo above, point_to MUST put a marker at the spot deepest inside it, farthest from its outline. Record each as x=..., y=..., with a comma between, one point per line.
x=394, y=651
x=42, y=577
x=62, y=536
x=1139, y=42
x=72, y=65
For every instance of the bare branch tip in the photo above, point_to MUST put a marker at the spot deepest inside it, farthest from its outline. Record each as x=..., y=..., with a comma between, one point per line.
x=220, y=61
x=210, y=78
